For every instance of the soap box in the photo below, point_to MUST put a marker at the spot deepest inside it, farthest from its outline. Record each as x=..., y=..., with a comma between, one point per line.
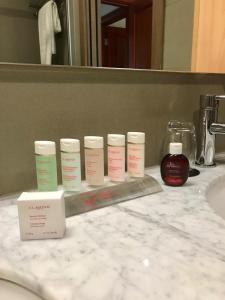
x=41, y=215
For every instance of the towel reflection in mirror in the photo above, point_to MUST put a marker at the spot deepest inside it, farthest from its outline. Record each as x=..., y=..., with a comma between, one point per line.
x=48, y=25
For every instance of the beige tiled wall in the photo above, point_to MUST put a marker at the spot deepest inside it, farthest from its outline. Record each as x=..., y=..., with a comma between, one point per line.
x=42, y=103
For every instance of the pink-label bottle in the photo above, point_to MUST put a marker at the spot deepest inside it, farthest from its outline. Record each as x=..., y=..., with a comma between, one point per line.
x=136, y=154
x=94, y=160
x=70, y=164
x=116, y=157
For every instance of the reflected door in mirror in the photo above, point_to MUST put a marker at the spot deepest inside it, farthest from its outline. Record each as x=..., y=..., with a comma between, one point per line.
x=126, y=33
x=141, y=17
x=115, y=47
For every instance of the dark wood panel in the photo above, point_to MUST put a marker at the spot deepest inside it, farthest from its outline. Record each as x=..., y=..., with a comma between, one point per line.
x=119, y=2
x=143, y=38
x=127, y=2
x=115, y=47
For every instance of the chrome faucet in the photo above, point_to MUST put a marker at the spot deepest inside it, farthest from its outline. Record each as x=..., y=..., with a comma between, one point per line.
x=208, y=128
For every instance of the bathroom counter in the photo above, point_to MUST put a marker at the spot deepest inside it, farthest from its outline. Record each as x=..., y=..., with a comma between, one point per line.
x=169, y=245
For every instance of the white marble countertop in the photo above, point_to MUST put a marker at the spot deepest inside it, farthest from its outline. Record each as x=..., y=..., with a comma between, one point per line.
x=169, y=245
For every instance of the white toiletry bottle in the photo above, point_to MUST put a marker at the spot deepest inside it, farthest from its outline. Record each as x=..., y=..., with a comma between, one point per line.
x=116, y=157
x=70, y=164
x=136, y=154
x=45, y=155
x=94, y=160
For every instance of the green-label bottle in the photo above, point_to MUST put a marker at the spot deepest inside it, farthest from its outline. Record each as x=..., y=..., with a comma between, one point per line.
x=46, y=167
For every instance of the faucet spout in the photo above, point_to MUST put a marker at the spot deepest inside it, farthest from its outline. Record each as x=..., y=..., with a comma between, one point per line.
x=208, y=129
x=217, y=128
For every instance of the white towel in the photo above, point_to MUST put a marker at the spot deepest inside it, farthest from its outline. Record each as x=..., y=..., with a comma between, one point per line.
x=48, y=25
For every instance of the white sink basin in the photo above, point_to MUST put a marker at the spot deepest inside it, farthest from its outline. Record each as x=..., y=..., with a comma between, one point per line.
x=12, y=291
x=216, y=196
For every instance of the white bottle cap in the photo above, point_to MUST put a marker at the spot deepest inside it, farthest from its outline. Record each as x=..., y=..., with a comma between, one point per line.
x=70, y=145
x=44, y=147
x=136, y=137
x=175, y=148
x=93, y=142
x=116, y=140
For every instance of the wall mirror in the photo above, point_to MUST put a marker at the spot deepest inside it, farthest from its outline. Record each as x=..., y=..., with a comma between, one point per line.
x=177, y=35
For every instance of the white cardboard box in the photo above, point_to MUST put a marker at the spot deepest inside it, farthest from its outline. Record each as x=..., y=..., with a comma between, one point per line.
x=41, y=215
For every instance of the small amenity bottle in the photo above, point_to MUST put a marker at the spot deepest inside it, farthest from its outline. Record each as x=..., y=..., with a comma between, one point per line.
x=136, y=154
x=45, y=155
x=116, y=157
x=70, y=164
x=175, y=166
x=94, y=160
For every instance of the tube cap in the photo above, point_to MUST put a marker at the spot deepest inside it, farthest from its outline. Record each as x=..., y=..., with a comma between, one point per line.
x=70, y=145
x=175, y=148
x=93, y=142
x=136, y=137
x=45, y=147
x=116, y=139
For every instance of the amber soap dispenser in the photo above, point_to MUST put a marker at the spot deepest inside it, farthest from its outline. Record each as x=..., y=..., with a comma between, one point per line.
x=175, y=166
